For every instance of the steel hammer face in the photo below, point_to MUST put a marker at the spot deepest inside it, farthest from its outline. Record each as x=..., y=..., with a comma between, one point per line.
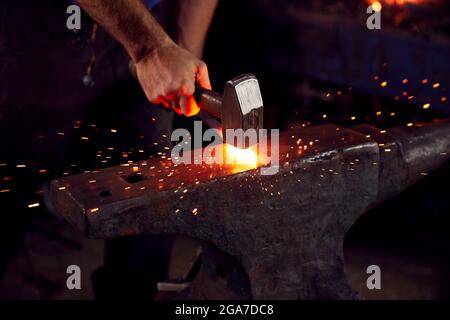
x=242, y=104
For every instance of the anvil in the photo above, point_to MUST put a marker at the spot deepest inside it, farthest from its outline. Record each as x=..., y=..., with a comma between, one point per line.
x=285, y=230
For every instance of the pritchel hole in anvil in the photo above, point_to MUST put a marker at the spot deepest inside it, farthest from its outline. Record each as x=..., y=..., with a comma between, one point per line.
x=105, y=194
x=134, y=178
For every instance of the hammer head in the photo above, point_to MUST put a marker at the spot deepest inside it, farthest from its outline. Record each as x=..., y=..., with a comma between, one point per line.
x=242, y=104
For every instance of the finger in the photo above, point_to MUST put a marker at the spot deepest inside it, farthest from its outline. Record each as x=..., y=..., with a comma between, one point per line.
x=163, y=101
x=189, y=106
x=202, y=76
x=175, y=105
x=172, y=95
x=187, y=88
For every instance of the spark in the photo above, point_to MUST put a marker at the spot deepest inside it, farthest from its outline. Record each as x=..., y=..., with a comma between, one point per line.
x=426, y=106
x=384, y=84
x=33, y=205
x=376, y=6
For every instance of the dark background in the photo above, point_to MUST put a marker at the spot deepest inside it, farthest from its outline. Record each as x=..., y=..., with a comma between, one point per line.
x=317, y=63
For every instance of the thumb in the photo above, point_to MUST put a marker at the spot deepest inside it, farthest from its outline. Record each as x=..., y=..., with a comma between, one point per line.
x=189, y=106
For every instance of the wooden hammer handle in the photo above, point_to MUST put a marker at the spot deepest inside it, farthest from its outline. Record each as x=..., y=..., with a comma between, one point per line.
x=209, y=101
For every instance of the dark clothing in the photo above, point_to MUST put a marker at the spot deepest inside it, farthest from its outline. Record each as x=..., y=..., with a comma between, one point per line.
x=42, y=95
x=42, y=65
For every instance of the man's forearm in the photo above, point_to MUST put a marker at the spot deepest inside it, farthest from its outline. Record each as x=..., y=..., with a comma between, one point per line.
x=191, y=21
x=130, y=22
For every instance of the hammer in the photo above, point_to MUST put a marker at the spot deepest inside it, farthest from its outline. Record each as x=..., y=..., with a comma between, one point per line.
x=240, y=107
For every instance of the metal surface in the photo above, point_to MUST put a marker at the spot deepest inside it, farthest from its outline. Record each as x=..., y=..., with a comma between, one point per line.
x=286, y=230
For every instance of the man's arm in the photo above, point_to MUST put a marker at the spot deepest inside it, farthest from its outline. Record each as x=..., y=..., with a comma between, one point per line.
x=191, y=20
x=166, y=72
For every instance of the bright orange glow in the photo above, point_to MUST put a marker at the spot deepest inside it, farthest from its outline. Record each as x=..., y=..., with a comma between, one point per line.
x=241, y=159
x=376, y=6
x=392, y=2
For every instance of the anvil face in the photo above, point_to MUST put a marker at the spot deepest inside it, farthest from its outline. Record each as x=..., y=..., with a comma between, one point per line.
x=286, y=230
x=94, y=194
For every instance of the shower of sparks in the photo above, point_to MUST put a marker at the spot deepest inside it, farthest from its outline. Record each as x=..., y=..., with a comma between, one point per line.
x=244, y=159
